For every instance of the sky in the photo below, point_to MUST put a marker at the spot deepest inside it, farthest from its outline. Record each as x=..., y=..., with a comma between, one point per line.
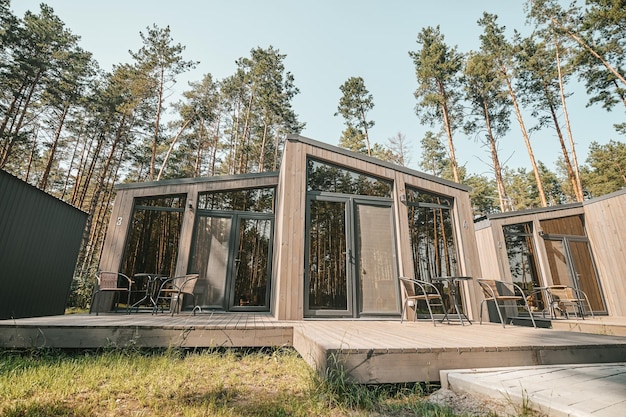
x=326, y=42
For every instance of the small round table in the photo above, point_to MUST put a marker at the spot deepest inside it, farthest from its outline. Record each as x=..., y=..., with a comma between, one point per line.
x=452, y=281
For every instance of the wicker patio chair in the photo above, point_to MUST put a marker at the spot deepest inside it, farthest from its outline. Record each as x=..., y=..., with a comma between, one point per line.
x=501, y=292
x=174, y=289
x=414, y=290
x=567, y=299
x=115, y=282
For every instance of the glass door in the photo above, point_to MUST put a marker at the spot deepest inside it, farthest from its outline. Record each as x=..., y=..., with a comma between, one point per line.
x=350, y=258
x=328, y=259
x=377, y=283
x=251, y=264
x=571, y=263
x=232, y=254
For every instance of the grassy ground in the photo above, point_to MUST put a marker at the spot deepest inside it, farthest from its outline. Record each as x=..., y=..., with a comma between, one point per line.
x=129, y=382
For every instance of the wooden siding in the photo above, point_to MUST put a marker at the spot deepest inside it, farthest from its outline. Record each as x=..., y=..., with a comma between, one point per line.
x=287, y=286
x=289, y=239
x=605, y=222
x=490, y=262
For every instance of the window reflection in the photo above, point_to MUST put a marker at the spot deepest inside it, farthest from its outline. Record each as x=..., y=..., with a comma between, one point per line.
x=334, y=179
x=520, y=251
x=432, y=234
x=259, y=200
x=152, y=244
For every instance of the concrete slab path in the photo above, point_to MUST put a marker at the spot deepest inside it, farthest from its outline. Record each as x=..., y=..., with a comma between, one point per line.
x=581, y=390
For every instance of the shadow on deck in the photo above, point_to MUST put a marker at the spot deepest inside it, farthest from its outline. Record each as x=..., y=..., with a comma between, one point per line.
x=370, y=351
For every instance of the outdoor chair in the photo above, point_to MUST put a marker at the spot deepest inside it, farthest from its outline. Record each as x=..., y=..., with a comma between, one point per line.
x=173, y=290
x=115, y=282
x=414, y=290
x=565, y=299
x=501, y=293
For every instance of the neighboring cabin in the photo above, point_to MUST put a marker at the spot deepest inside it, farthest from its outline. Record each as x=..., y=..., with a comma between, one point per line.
x=581, y=245
x=40, y=238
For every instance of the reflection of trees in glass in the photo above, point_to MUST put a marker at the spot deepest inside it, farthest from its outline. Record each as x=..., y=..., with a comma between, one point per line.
x=327, y=256
x=152, y=244
x=253, y=199
x=334, y=179
x=432, y=235
x=209, y=258
x=252, y=262
x=518, y=239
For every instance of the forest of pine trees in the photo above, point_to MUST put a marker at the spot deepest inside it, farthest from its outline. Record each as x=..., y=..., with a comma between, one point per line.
x=74, y=130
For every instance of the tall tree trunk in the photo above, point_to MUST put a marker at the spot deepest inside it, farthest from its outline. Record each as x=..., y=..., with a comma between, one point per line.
x=16, y=127
x=245, y=134
x=43, y=184
x=216, y=139
x=367, y=135
x=89, y=171
x=531, y=155
x=448, y=126
x=169, y=151
x=578, y=187
x=157, y=123
x=566, y=160
x=263, y=142
x=72, y=161
x=496, y=161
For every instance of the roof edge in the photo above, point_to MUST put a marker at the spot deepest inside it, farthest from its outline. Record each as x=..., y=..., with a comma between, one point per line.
x=376, y=161
x=195, y=180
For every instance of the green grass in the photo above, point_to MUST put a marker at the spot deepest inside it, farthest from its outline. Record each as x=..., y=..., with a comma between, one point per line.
x=132, y=382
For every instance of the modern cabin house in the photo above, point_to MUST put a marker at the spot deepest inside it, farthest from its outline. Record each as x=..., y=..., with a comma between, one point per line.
x=325, y=237
x=581, y=245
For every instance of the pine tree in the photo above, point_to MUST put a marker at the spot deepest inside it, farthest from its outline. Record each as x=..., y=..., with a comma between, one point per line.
x=354, y=104
x=438, y=69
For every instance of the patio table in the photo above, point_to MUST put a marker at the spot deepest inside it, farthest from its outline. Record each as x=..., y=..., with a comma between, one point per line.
x=153, y=283
x=452, y=293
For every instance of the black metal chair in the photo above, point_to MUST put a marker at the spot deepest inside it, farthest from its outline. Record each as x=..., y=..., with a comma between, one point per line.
x=414, y=290
x=116, y=282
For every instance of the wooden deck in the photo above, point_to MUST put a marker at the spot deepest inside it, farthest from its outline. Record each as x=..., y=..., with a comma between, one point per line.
x=370, y=351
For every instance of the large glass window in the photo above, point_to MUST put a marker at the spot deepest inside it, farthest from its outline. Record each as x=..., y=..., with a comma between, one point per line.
x=259, y=200
x=433, y=247
x=351, y=265
x=333, y=179
x=152, y=244
x=570, y=258
x=521, y=254
x=432, y=234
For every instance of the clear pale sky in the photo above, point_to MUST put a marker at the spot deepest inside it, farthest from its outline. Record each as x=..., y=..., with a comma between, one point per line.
x=327, y=42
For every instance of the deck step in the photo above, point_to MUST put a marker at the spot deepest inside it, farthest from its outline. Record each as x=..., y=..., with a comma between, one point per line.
x=526, y=321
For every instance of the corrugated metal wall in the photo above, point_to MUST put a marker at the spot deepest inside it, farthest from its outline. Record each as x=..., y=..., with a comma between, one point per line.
x=40, y=238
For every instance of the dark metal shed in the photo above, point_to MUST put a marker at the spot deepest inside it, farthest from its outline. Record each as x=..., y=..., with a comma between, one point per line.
x=40, y=237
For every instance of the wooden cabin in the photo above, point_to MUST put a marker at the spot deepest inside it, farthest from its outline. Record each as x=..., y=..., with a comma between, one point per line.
x=325, y=237
x=582, y=245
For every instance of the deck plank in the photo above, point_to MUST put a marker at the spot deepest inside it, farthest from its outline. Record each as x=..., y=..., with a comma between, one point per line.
x=370, y=351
